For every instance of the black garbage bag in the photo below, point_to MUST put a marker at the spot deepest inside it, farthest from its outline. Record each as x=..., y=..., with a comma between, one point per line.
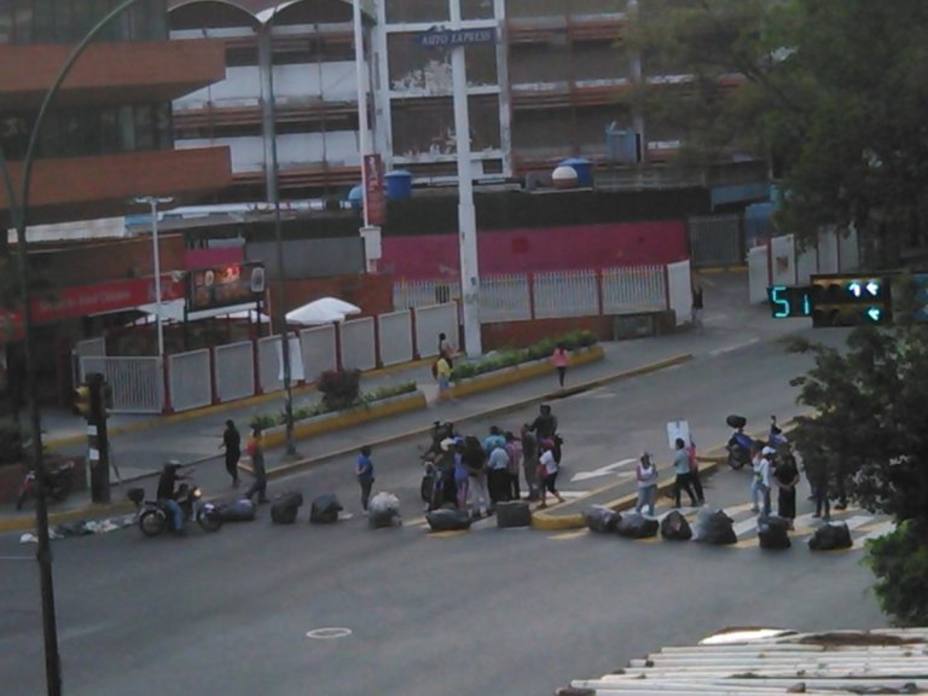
x=736, y=422
x=515, y=513
x=384, y=511
x=601, y=520
x=831, y=537
x=285, y=507
x=674, y=527
x=715, y=527
x=773, y=533
x=325, y=509
x=448, y=520
x=243, y=510
x=636, y=526
x=72, y=529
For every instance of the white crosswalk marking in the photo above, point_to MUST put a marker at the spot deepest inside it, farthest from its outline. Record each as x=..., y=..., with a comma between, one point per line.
x=875, y=533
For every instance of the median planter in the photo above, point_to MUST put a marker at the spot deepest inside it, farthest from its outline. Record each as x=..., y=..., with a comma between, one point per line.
x=522, y=372
x=348, y=418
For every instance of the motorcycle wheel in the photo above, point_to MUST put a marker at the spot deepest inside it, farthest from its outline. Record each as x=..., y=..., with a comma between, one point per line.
x=734, y=462
x=209, y=520
x=427, y=488
x=152, y=523
x=21, y=499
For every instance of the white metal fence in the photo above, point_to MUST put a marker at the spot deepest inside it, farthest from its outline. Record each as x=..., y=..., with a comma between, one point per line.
x=505, y=298
x=269, y=364
x=190, y=380
x=395, y=331
x=235, y=371
x=634, y=289
x=358, y=344
x=91, y=347
x=425, y=293
x=432, y=321
x=137, y=382
x=566, y=294
x=318, y=348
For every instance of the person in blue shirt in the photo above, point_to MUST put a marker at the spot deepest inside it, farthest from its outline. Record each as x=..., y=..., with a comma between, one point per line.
x=494, y=440
x=364, y=469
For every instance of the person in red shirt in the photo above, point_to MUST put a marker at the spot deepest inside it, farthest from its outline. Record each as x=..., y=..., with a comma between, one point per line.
x=560, y=359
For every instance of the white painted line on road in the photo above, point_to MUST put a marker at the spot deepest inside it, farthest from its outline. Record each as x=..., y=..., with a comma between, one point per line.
x=601, y=471
x=329, y=633
x=875, y=533
x=17, y=558
x=730, y=349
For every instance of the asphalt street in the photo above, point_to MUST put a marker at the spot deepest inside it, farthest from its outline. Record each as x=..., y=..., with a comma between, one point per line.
x=452, y=614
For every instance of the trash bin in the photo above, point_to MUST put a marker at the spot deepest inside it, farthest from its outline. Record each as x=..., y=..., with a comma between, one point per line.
x=584, y=169
x=356, y=197
x=399, y=185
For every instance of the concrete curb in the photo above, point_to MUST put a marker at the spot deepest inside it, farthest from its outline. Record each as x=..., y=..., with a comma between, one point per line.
x=151, y=423
x=302, y=464
x=718, y=456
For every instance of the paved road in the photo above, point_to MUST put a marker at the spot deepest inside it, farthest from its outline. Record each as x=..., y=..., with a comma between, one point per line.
x=438, y=614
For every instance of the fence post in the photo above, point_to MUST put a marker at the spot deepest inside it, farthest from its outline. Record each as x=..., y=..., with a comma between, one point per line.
x=600, y=299
x=458, y=315
x=769, y=262
x=167, y=408
x=213, y=386
x=338, y=347
x=667, y=285
x=256, y=366
x=413, y=318
x=531, y=295
x=378, y=359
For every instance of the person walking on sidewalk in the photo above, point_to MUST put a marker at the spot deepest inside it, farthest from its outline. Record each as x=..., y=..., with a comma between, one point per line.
x=364, y=470
x=255, y=451
x=684, y=479
x=697, y=309
x=232, y=443
x=514, y=450
x=646, y=474
x=694, y=472
x=445, y=349
x=786, y=477
x=549, y=466
x=560, y=359
x=530, y=461
x=443, y=375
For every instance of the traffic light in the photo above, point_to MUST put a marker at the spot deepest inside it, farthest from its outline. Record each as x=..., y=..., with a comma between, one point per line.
x=83, y=401
x=844, y=300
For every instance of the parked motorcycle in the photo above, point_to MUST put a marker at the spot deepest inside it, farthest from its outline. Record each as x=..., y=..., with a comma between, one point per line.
x=154, y=517
x=739, y=444
x=59, y=480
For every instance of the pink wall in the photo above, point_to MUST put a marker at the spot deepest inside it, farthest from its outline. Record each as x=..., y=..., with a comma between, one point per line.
x=552, y=249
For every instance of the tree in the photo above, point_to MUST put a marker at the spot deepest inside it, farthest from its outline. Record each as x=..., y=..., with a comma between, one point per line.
x=870, y=432
x=832, y=92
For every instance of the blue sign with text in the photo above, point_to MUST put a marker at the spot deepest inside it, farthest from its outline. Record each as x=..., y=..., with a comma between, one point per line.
x=449, y=38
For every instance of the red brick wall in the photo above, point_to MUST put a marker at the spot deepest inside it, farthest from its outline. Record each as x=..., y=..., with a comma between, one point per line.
x=519, y=334
x=373, y=293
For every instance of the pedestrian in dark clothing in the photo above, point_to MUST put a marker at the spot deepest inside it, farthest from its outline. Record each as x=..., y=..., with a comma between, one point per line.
x=514, y=450
x=694, y=472
x=364, y=469
x=255, y=450
x=545, y=428
x=530, y=462
x=786, y=477
x=683, y=481
x=817, y=473
x=232, y=443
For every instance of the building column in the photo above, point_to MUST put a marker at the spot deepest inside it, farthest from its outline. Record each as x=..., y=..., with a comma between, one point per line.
x=505, y=90
x=268, y=127
x=638, y=122
x=380, y=78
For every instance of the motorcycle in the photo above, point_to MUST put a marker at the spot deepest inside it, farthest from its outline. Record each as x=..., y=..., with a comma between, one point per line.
x=59, y=481
x=739, y=445
x=154, y=517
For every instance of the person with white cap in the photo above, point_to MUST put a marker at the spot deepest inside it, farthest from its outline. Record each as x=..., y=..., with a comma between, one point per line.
x=760, y=486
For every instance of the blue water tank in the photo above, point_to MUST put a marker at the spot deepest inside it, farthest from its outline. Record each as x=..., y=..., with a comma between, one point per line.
x=356, y=197
x=584, y=169
x=399, y=185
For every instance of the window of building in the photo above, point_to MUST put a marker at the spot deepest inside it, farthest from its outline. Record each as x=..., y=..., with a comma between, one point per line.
x=67, y=21
x=477, y=9
x=400, y=11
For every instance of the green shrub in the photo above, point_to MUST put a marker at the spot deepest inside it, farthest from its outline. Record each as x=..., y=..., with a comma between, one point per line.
x=263, y=421
x=900, y=562
x=463, y=371
x=509, y=358
x=340, y=388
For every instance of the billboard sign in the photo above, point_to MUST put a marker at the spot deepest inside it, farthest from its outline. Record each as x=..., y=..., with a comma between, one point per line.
x=225, y=286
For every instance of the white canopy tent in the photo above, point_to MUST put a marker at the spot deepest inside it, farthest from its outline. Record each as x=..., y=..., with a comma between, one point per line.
x=325, y=310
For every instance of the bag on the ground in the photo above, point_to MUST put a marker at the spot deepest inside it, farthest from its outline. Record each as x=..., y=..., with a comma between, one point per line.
x=285, y=507
x=325, y=509
x=73, y=529
x=736, y=422
x=636, y=526
x=243, y=510
x=773, y=533
x=715, y=527
x=675, y=527
x=515, y=513
x=831, y=537
x=448, y=520
x=601, y=519
x=384, y=511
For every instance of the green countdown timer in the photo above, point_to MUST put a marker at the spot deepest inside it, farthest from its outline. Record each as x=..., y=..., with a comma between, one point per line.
x=787, y=302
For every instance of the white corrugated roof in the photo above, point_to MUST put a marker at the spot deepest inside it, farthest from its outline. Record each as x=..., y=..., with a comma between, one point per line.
x=885, y=661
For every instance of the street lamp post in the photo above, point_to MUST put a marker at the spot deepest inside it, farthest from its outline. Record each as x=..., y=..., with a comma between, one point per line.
x=19, y=213
x=153, y=202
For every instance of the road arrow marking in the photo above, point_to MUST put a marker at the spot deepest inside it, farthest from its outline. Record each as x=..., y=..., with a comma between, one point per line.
x=873, y=288
x=601, y=471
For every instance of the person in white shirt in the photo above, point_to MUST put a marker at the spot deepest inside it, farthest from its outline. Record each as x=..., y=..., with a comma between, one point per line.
x=646, y=474
x=760, y=486
x=549, y=464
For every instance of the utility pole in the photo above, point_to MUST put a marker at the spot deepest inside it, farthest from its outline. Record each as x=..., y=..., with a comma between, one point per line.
x=153, y=202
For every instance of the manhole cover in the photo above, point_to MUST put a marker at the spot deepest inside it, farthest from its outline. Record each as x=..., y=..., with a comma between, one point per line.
x=329, y=633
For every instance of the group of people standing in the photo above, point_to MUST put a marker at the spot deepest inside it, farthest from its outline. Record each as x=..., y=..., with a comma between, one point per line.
x=774, y=465
x=686, y=478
